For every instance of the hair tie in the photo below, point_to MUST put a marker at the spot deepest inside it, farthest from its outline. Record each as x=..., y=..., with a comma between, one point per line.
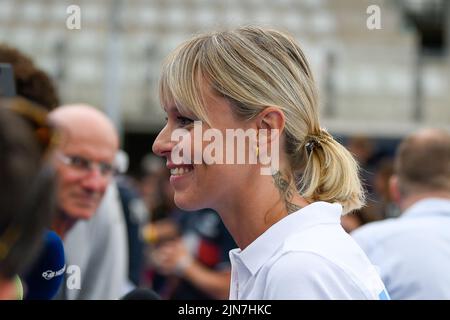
x=315, y=140
x=310, y=145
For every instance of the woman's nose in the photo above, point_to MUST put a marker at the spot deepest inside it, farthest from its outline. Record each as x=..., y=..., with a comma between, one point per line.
x=162, y=145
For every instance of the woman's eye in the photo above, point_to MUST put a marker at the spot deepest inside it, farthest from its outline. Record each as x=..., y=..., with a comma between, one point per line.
x=183, y=121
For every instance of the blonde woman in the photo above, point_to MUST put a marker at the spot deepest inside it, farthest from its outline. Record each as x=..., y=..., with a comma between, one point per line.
x=286, y=223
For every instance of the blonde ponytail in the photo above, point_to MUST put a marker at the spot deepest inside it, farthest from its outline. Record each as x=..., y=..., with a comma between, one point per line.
x=330, y=173
x=254, y=68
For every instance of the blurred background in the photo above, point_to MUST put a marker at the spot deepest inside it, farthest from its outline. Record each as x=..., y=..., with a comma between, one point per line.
x=380, y=83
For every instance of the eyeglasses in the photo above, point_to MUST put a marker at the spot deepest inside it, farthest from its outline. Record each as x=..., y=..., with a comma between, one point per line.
x=36, y=116
x=85, y=165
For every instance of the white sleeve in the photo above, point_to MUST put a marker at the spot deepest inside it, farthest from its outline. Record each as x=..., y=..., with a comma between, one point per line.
x=308, y=276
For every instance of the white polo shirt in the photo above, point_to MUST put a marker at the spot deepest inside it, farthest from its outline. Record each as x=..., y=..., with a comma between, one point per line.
x=412, y=251
x=306, y=255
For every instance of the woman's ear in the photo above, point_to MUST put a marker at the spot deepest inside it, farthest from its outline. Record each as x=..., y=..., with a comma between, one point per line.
x=270, y=124
x=271, y=118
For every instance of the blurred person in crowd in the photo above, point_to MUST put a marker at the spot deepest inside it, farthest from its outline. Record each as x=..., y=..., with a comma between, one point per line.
x=165, y=225
x=152, y=177
x=189, y=251
x=413, y=251
x=384, y=206
x=136, y=216
x=286, y=222
x=107, y=226
x=27, y=185
x=31, y=82
x=84, y=162
x=31, y=94
x=98, y=246
x=363, y=149
x=90, y=218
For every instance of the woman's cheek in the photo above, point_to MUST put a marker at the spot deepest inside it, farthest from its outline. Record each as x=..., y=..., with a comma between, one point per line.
x=182, y=152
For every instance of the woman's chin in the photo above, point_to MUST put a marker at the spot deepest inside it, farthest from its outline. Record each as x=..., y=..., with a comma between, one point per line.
x=185, y=203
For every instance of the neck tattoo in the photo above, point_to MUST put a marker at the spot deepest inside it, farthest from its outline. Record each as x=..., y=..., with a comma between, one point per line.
x=286, y=192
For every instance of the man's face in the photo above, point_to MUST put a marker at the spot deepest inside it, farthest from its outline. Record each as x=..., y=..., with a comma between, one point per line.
x=82, y=164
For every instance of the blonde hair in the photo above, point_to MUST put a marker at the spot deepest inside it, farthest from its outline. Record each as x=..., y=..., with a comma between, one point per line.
x=254, y=68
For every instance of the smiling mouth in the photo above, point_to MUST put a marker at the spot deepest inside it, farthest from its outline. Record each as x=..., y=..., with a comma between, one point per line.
x=179, y=171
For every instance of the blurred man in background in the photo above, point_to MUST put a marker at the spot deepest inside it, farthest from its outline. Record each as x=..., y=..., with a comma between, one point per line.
x=413, y=251
x=106, y=229
x=85, y=167
x=84, y=162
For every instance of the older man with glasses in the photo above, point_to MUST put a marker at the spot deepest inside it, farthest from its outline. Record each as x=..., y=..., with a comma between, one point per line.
x=90, y=217
x=97, y=242
x=84, y=162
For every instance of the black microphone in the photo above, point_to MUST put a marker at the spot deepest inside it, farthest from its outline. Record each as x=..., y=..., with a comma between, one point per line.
x=47, y=272
x=141, y=294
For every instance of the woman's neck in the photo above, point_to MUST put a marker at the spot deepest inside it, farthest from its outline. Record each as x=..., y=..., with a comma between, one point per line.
x=252, y=212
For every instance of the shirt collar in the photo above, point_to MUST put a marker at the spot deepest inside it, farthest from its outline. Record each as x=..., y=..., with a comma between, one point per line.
x=428, y=207
x=264, y=247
